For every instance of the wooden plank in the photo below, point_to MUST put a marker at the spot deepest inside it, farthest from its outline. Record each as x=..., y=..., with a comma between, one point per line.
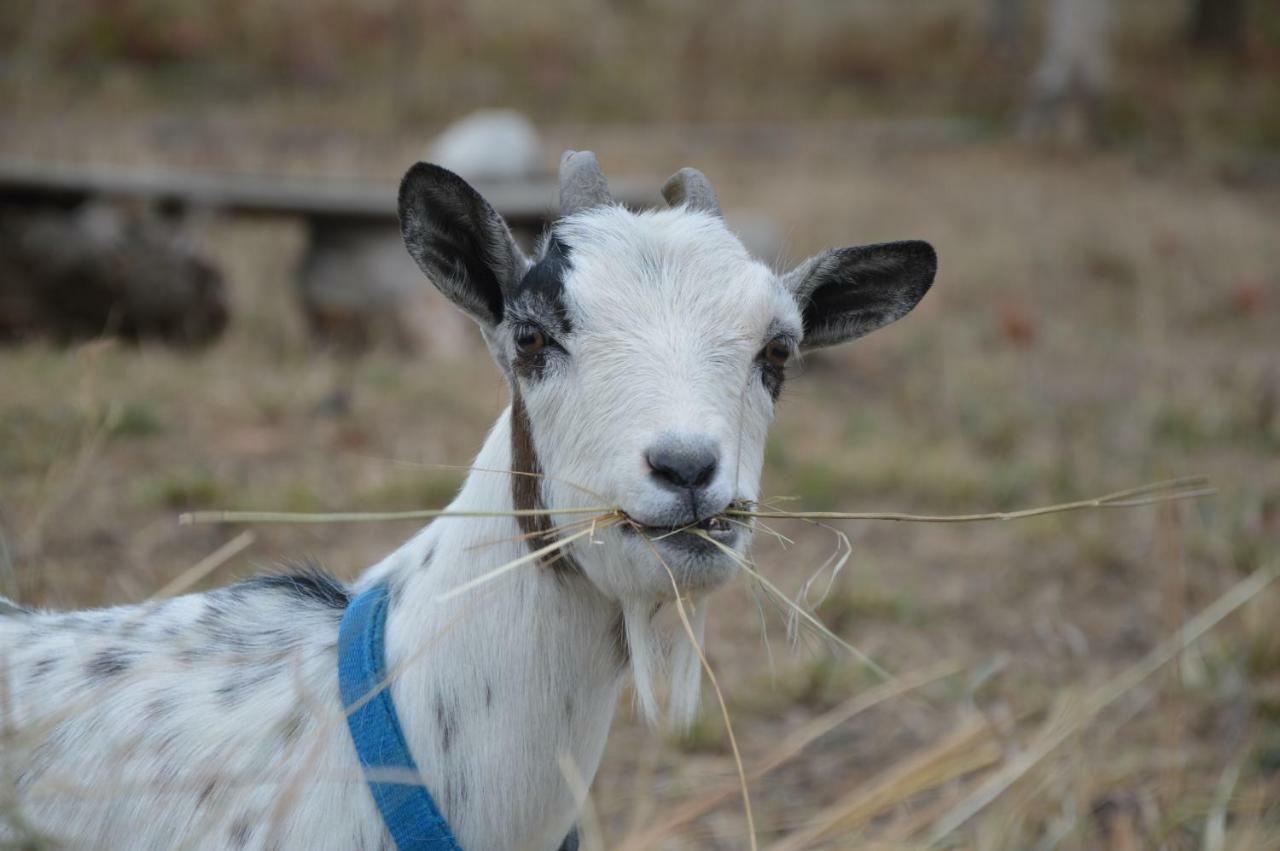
x=519, y=203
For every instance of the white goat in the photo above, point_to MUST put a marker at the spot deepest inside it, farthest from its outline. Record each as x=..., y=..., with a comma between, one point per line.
x=645, y=353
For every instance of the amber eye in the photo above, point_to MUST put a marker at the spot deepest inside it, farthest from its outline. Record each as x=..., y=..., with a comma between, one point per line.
x=530, y=340
x=777, y=352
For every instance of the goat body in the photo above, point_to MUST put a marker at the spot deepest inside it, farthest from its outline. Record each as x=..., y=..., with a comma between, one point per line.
x=645, y=353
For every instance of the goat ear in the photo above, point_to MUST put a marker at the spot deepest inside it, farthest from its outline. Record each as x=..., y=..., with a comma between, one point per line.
x=459, y=242
x=848, y=292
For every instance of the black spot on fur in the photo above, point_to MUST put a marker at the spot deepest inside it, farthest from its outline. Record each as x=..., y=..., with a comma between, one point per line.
x=488, y=696
x=621, y=649
x=292, y=726
x=310, y=584
x=568, y=708
x=215, y=610
x=241, y=832
x=231, y=693
x=444, y=719
x=167, y=745
x=455, y=792
x=426, y=558
x=236, y=690
x=158, y=709
x=43, y=667
x=207, y=792
x=108, y=663
x=570, y=842
x=165, y=778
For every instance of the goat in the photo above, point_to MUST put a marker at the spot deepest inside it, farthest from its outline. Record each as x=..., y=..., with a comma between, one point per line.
x=645, y=353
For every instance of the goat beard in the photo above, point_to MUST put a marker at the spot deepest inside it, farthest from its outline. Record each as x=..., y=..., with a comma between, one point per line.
x=655, y=651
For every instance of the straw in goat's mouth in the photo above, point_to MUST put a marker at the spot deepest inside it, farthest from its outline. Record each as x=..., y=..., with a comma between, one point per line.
x=716, y=524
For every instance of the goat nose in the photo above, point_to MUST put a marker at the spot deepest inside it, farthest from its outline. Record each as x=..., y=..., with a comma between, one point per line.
x=683, y=463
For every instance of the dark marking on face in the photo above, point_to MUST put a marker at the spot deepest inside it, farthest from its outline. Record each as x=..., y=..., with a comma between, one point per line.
x=772, y=377
x=241, y=832
x=538, y=302
x=310, y=584
x=542, y=288
x=108, y=663
x=526, y=489
x=444, y=720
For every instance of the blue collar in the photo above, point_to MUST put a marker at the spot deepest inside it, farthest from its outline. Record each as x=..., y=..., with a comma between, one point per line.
x=411, y=816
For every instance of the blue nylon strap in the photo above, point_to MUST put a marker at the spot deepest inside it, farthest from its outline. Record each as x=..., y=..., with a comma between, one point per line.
x=411, y=816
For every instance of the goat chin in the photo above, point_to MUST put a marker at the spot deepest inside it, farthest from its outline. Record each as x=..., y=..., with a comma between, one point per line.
x=653, y=653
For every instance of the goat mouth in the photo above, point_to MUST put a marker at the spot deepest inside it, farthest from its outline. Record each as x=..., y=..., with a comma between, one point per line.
x=717, y=527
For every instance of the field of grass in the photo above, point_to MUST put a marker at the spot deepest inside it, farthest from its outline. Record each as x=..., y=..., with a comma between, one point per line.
x=1092, y=327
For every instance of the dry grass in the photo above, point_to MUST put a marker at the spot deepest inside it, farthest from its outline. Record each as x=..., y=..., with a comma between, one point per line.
x=1088, y=331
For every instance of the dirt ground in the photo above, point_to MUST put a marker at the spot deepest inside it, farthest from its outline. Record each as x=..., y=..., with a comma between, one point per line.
x=1093, y=326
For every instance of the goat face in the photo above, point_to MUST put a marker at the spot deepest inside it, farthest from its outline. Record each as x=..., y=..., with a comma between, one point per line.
x=646, y=352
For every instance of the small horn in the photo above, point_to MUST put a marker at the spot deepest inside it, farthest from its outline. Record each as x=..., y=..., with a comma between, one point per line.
x=690, y=187
x=582, y=183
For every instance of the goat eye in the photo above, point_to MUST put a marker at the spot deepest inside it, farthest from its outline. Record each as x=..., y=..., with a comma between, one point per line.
x=530, y=340
x=777, y=352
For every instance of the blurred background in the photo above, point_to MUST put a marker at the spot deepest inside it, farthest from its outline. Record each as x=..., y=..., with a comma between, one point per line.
x=204, y=304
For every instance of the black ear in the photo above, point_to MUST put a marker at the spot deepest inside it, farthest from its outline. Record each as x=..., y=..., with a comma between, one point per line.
x=459, y=242
x=848, y=292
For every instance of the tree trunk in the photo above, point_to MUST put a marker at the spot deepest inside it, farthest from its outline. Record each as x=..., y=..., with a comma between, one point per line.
x=1074, y=70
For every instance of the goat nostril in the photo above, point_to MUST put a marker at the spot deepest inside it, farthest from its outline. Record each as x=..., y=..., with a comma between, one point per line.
x=703, y=477
x=681, y=465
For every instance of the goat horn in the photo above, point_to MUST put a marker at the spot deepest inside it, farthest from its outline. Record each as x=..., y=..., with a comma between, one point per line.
x=582, y=183
x=690, y=187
